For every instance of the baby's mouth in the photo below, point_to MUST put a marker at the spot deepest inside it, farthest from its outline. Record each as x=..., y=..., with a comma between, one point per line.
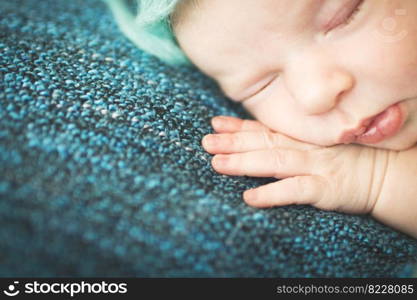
x=375, y=129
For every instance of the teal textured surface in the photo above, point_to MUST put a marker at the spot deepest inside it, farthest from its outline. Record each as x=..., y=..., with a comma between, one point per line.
x=103, y=174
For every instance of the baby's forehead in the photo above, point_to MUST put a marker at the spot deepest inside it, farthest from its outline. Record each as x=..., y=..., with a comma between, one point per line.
x=237, y=39
x=255, y=12
x=234, y=25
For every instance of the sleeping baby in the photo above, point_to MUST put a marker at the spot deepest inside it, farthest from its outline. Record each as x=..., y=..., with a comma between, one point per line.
x=332, y=86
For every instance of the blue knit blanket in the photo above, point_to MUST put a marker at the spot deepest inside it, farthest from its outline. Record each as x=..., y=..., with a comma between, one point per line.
x=102, y=172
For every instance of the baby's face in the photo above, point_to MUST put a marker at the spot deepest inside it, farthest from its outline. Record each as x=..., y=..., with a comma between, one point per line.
x=316, y=70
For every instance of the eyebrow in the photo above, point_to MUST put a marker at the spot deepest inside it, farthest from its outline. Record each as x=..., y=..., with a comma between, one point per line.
x=309, y=10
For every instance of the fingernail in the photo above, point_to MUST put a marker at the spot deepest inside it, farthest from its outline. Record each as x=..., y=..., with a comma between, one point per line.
x=248, y=195
x=210, y=140
x=220, y=160
x=219, y=121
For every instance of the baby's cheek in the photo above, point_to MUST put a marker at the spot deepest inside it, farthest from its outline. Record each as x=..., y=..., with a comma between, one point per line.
x=396, y=66
x=395, y=37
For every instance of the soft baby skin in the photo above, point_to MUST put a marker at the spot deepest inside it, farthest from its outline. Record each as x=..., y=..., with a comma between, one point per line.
x=333, y=86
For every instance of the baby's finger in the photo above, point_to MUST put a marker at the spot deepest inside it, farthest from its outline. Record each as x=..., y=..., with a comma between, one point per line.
x=294, y=190
x=279, y=163
x=245, y=141
x=224, y=124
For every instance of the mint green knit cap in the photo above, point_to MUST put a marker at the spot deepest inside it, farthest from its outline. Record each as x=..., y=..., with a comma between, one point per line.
x=149, y=28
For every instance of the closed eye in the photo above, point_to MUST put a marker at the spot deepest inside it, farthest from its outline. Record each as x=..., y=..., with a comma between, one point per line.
x=345, y=16
x=259, y=91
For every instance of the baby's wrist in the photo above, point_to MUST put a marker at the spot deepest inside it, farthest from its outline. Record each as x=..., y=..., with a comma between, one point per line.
x=396, y=204
x=380, y=166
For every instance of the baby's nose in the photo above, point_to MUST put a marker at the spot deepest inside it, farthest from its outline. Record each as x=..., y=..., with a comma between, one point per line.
x=317, y=83
x=321, y=93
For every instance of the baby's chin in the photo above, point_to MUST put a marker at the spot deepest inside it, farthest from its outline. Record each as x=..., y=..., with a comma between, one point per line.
x=395, y=146
x=392, y=148
x=396, y=143
x=403, y=140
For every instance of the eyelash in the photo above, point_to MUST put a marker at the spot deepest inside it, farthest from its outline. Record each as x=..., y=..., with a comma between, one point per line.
x=344, y=23
x=349, y=18
x=260, y=90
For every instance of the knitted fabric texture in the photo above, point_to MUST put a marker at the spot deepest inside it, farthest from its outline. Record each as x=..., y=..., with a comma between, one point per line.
x=103, y=173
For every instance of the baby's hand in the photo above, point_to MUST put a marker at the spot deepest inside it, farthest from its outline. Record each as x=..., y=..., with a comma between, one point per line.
x=345, y=178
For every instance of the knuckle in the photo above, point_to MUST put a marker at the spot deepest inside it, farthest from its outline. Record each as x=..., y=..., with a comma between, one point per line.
x=236, y=141
x=304, y=187
x=324, y=154
x=310, y=189
x=244, y=125
x=325, y=157
x=279, y=159
x=268, y=139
